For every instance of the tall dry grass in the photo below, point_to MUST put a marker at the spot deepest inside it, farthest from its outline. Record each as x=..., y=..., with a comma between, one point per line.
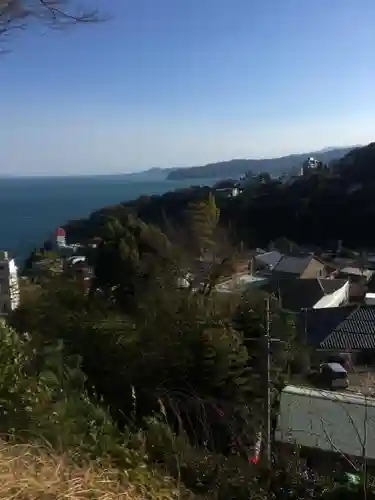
x=30, y=473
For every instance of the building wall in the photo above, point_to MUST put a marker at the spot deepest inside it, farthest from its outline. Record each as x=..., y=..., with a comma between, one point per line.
x=9, y=286
x=309, y=417
x=357, y=290
x=315, y=269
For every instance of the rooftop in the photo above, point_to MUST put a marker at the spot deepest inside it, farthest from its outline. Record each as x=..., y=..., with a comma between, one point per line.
x=240, y=283
x=309, y=417
x=295, y=294
x=269, y=259
x=226, y=184
x=356, y=271
x=357, y=331
x=293, y=264
x=339, y=328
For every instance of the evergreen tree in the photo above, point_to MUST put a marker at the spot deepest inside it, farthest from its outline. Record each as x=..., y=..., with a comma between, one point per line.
x=204, y=218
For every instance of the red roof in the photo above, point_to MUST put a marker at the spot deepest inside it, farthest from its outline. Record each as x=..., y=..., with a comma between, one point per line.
x=60, y=231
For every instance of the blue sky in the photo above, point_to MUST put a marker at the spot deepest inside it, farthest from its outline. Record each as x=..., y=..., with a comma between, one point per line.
x=185, y=82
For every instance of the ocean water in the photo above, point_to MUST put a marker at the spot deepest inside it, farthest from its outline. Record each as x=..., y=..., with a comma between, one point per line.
x=32, y=208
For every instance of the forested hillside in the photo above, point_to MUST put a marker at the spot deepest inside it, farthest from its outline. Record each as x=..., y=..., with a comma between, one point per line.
x=319, y=209
x=238, y=167
x=157, y=386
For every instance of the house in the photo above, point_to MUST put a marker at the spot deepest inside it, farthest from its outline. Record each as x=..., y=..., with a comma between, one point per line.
x=359, y=278
x=337, y=330
x=295, y=294
x=309, y=418
x=265, y=262
x=241, y=283
x=79, y=265
x=311, y=164
x=9, y=284
x=370, y=299
x=356, y=274
x=301, y=266
x=228, y=188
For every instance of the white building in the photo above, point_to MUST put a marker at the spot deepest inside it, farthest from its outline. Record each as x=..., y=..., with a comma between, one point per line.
x=60, y=237
x=370, y=299
x=309, y=164
x=9, y=285
x=340, y=422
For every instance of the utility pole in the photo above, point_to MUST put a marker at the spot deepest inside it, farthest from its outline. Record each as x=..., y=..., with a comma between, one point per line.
x=267, y=402
x=265, y=436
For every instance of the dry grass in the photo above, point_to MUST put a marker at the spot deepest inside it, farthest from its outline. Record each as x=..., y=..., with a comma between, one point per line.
x=28, y=473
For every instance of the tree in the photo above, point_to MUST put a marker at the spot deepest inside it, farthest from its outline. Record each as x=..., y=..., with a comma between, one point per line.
x=20, y=14
x=132, y=261
x=210, y=253
x=204, y=219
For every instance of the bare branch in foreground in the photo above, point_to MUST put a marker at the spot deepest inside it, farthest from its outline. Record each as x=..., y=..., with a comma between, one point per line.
x=54, y=14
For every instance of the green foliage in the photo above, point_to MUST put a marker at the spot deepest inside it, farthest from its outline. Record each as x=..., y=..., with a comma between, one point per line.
x=204, y=219
x=212, y=475
x=313, y=210
x=42, y=397
x=140, y=370
x=130, y=259
x=235, y=168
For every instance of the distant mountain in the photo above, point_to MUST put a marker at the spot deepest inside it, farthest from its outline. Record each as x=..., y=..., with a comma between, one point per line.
x=275, y=166
x=327, y=150
x=152, y=174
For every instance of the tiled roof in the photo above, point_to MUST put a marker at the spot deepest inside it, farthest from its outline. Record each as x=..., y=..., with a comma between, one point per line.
x=349, y=327
x=270, y=259
x=317, y=324
x=293, y=265
x=356, y=271
x=295, y=294
x=357, y=331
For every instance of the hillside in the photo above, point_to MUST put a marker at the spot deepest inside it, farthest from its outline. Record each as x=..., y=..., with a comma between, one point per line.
x=31, y=472
x=236, y=168
x=358, y=165
x=319, y=209
x=154, y=385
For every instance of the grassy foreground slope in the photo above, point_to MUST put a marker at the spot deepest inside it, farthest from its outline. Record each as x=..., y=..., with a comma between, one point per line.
x=29, y=472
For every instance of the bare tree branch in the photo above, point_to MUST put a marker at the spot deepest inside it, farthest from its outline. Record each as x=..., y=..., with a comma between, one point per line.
x=54, y=14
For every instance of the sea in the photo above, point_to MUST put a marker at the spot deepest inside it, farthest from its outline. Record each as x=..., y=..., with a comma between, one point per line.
x=32, y=208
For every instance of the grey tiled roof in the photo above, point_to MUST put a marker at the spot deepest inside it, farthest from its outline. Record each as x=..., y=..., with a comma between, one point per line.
x=295, y=294
x=348, y=340
x=270, y=259
x=317, y=324
x=357, y=331
x=293, y=265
